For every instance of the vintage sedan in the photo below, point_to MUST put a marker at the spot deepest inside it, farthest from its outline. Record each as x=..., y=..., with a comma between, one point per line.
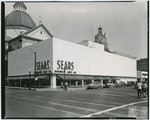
x=95, y=85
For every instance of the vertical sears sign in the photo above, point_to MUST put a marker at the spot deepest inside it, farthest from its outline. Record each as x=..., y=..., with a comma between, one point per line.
x=43, y=67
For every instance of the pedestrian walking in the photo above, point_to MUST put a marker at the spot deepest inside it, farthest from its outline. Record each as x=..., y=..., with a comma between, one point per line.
x=76, y=83
x=25, y=85
x=62, y=86
x=144, y=89
x=147, y=89
x=66, y=85
x=139, y=89
x=29, y=84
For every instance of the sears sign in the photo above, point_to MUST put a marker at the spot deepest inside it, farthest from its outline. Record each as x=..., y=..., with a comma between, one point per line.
x=63, y=66
x=43, y=66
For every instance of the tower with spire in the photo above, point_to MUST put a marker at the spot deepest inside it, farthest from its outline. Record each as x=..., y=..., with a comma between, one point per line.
x=101, y=38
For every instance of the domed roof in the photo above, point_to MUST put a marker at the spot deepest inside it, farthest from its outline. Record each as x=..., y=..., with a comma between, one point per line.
x=19, y=18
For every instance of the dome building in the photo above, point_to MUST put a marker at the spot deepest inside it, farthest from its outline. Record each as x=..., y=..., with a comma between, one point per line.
x=18, y=21
x=22, y=30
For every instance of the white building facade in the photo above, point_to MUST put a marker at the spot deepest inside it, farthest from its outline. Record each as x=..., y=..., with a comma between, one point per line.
x=63, y=60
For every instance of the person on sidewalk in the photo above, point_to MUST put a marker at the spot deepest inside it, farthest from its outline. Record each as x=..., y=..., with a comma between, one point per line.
x=144, y=89
x=62, y=86
x=76, y=83
x=66, y=86
x=139, y=89
x=25, y=85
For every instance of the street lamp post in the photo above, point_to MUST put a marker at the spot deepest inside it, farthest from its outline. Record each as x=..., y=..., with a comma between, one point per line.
x=34, y=71
x=64, y=75
x=29, y=80
x=66, y=83
x=65, y=86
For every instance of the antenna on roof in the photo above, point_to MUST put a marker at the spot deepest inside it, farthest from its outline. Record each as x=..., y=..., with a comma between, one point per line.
x=40, y=20
x=92, y=35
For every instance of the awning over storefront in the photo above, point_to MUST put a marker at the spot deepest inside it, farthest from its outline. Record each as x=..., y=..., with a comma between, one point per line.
x=66, y=77
x=19, y=77
x=82, y=77
x=115, y=78
x=26, y=77
x=71, y=77
x=90, y=77
x=100, y=78
x=108, y=78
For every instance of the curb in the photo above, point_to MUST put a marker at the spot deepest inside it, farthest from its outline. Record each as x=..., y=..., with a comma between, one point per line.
x=45, y=89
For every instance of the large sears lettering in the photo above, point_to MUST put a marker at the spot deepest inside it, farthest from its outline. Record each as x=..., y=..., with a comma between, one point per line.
x=65, y=64
x=42, y=65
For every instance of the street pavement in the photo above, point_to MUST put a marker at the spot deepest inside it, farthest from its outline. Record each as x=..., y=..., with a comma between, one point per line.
x=121, y=102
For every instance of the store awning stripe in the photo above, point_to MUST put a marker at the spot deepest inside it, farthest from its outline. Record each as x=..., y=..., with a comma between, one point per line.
x=19, y=78
x=108, y=78
x=100, y=78
x=115, y=78
x=90, y=77
x=71, y=77
x=83, y=77
x=26, y=77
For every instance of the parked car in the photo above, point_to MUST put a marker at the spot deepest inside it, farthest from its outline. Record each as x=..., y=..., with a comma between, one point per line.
x=118, y=84
x=109, y=84
x=130, y=83
x=95, y=85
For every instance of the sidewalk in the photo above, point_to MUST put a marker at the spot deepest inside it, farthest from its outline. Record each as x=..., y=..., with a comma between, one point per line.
x=47, y=88
x=60, y=89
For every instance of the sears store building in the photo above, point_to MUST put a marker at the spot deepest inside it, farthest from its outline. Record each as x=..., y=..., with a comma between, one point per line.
x=37, y=56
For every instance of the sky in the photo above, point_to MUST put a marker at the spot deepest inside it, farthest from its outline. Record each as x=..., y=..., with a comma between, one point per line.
x=125, y=23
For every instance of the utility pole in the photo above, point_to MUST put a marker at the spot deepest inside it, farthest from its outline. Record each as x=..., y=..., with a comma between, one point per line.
x=64, y=74
x=92, y=36
x=29, y=80
x=34, y=70
x=20, y=81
